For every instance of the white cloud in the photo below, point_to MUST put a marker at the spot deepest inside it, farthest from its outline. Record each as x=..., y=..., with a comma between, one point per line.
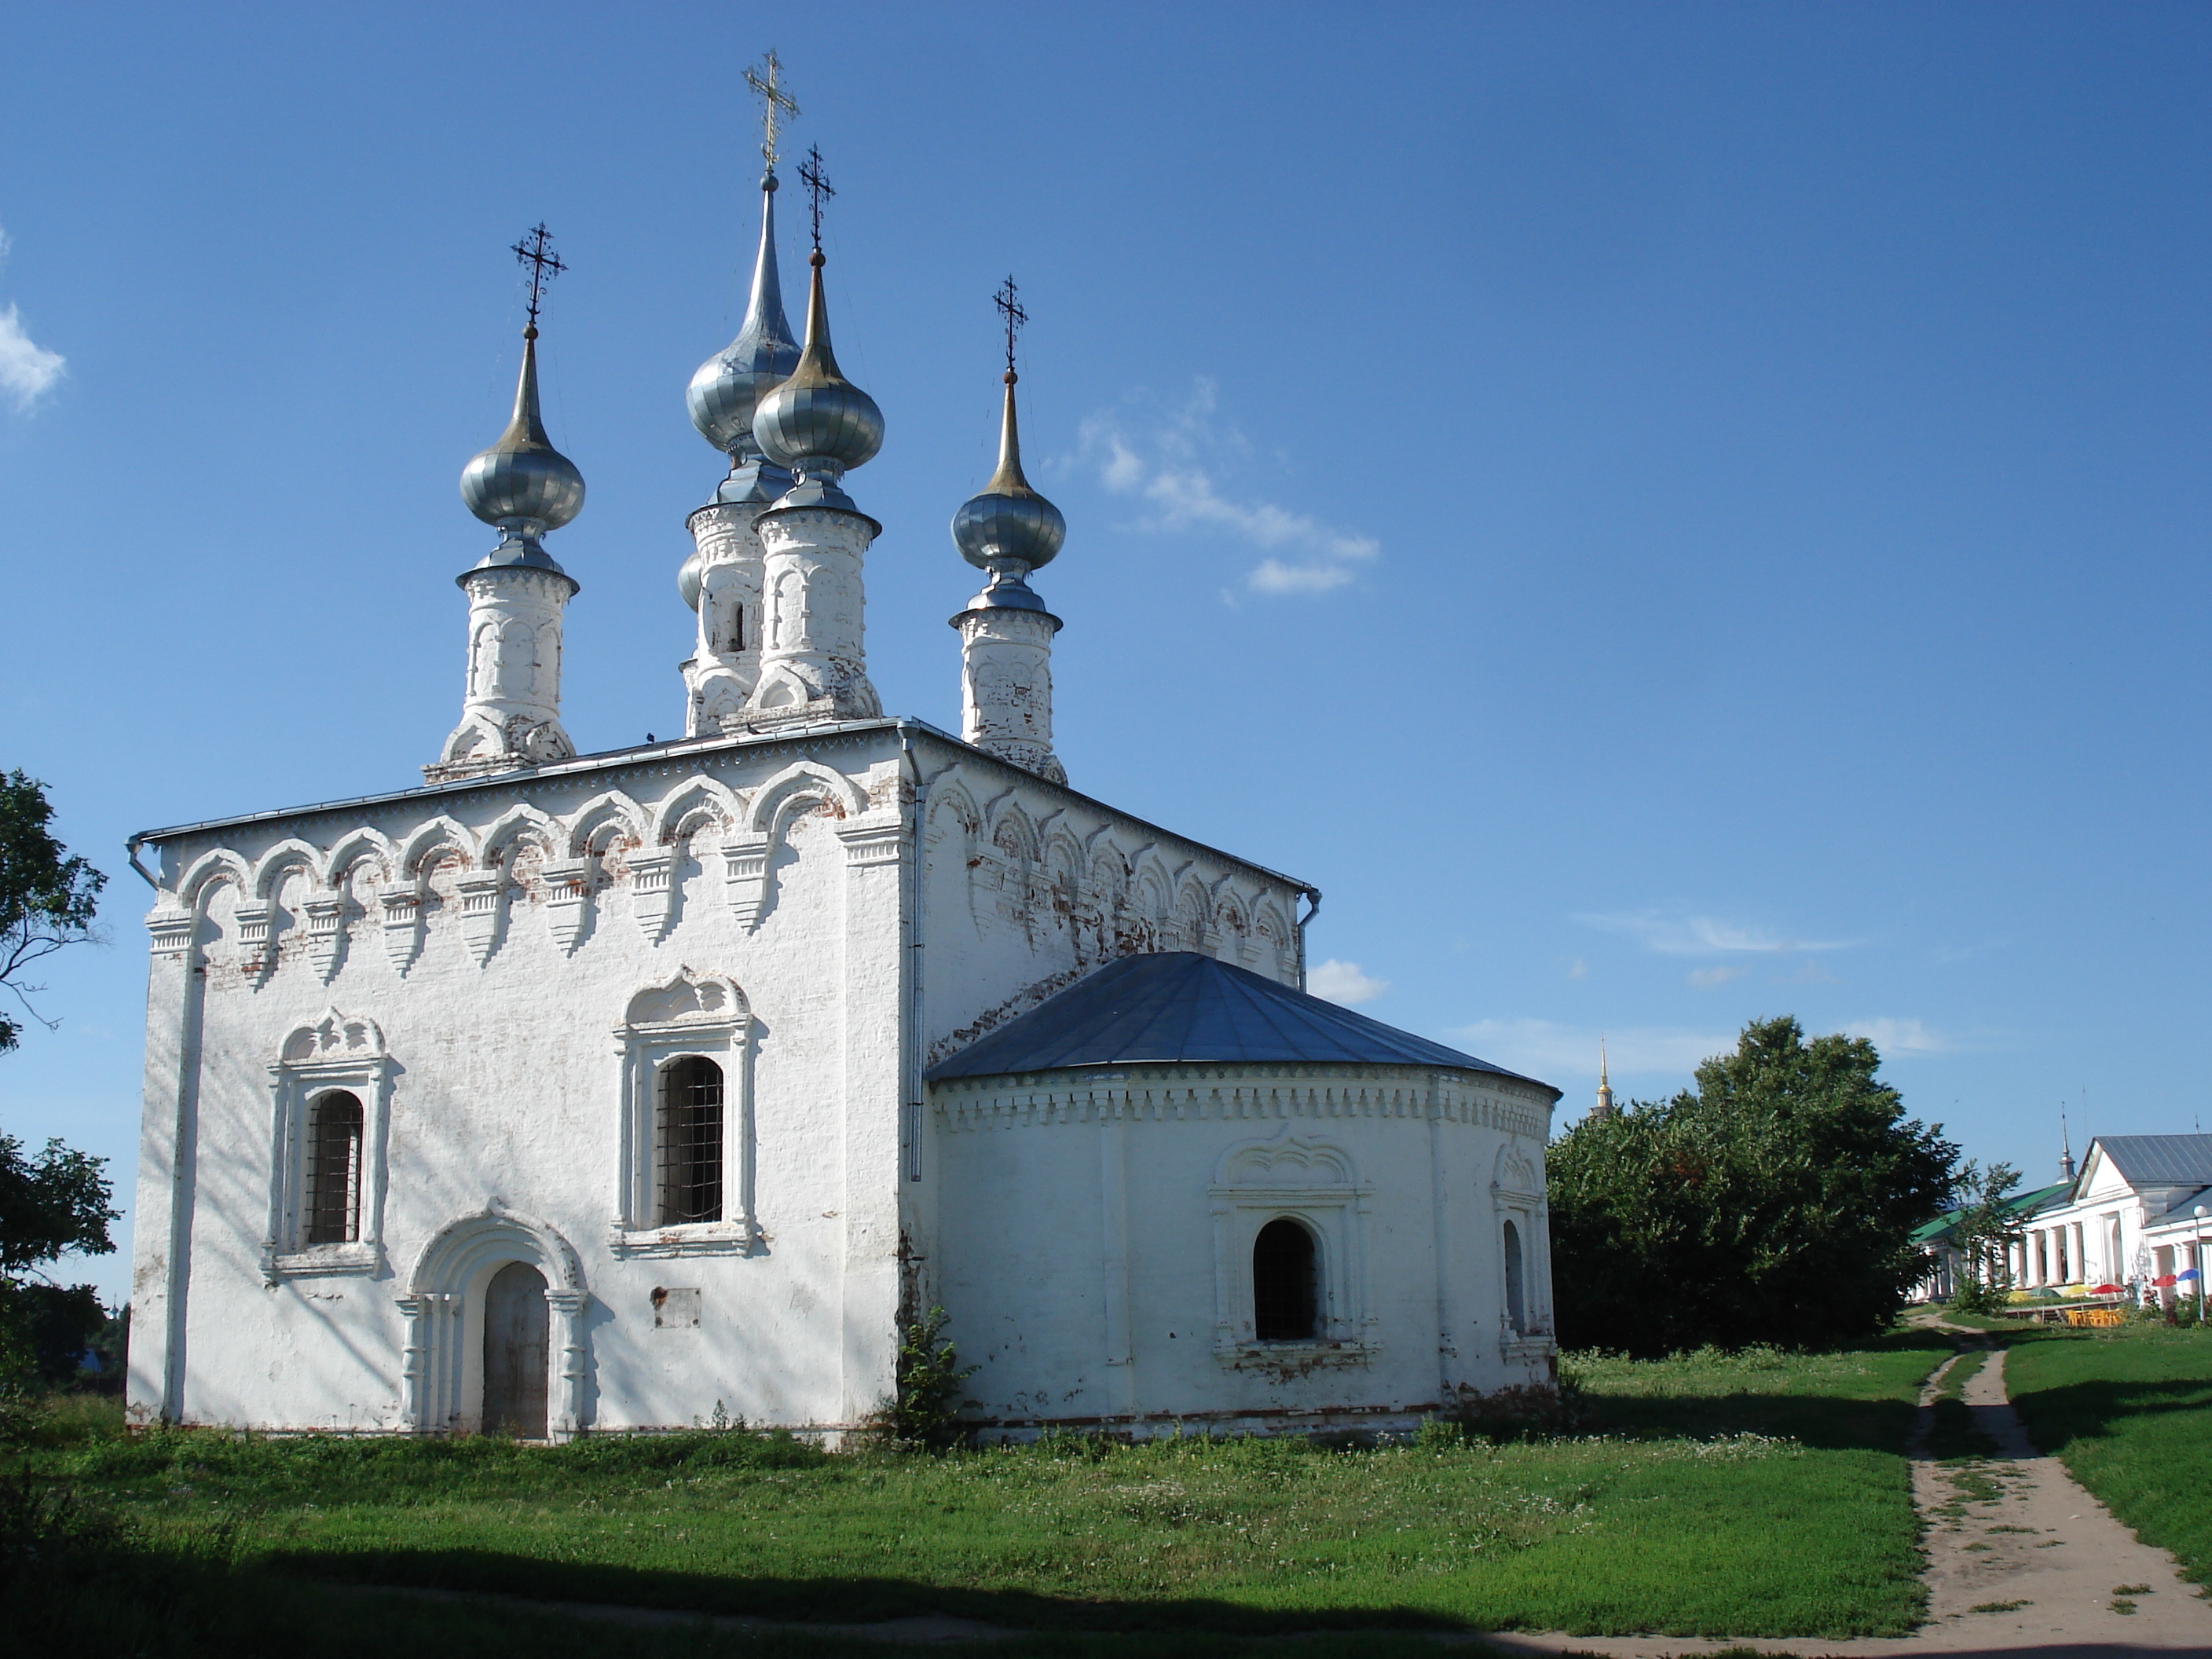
x=1705, y=979
x=1343, y=981
x=1901, y=1036
x=1544, y=1049
x=1678, y=935
x=1172, y=465
x=26, y=370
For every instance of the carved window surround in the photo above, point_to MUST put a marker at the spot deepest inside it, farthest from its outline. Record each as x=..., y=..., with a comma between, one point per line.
x=339, y=1052
x=695, y=1014
x=1516, y=1194
x=1311, y=1182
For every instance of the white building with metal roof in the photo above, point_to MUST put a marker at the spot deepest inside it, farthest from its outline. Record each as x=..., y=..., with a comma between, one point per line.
x=636, y=1090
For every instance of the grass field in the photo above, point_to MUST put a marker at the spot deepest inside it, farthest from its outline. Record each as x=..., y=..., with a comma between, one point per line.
x=1757, y=1494
x=2128, y=1411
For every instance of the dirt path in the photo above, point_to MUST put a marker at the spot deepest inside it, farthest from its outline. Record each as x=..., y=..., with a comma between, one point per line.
x=2021, y=1559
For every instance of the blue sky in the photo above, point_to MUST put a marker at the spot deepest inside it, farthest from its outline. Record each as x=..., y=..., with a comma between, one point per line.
x=1668, y=514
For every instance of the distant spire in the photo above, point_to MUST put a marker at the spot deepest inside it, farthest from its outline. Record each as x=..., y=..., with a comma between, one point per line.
x=2065, y=1149
x=1605, y=1107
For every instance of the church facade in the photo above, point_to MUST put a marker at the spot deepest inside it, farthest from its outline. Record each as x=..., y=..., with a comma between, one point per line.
x=671, y=1084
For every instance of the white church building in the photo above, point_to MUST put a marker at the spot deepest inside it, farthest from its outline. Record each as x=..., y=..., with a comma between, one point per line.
x=573, y=1093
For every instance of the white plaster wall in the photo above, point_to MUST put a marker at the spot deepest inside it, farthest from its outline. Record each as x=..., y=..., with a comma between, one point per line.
x=506, y=1084
x=1083, y=1257
x=495, y=932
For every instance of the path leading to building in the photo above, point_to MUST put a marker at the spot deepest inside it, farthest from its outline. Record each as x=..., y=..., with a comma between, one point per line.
x=2021, y=1559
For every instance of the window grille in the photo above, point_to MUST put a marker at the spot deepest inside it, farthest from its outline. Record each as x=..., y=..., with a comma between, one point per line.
x=688, y=1147
x=333, y=1184
x=1284, y=1299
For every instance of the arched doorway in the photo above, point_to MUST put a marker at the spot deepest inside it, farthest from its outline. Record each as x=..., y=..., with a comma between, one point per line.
x=497, y=1339
x=514, y=1353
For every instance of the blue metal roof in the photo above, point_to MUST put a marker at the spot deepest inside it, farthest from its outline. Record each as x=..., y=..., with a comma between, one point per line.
x=2161, y=1160
x=1177, y=1006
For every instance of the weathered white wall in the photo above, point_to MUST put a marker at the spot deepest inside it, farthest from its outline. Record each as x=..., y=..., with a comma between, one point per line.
x=494, y=934
x=1095, y=1239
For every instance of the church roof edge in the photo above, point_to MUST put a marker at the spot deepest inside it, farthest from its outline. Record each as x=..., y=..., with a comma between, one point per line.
x=680, y=748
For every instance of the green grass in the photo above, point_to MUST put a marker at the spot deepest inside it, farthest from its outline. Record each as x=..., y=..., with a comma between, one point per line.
x=2128, y=1411
x=1757, y=1494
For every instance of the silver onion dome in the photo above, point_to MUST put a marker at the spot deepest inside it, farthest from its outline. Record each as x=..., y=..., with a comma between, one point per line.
x=817, y=422
x=729, y=384
x=522, y=484
x=1009, y=526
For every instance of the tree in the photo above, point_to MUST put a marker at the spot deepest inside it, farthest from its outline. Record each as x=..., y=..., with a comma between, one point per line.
x=47, y=895
x=1983, y=1231
x=58, y=1200
x=1774, y=1202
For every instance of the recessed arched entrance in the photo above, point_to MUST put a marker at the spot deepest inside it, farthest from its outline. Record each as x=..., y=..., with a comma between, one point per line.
x=495, y=1333
x=515, y=1343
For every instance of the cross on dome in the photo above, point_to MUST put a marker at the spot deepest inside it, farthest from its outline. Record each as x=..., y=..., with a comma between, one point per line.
x=1010, y=307
x=536, y=250
x=776, y=102
x=817, y=186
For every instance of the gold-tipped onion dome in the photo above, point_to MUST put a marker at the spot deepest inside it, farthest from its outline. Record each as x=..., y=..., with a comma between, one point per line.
x=726, y=391
x=1009, y=523
x=817, y=415
x=522, y=479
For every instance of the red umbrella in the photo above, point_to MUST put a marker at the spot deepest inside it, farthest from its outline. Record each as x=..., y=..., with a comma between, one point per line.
x=2107, y=1290
x=2163, y=1280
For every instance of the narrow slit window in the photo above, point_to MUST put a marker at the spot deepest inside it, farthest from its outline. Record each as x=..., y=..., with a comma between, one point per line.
x=690, y=1142
x=1285, y=1292
x=333, y=1181
x=1517, y=1310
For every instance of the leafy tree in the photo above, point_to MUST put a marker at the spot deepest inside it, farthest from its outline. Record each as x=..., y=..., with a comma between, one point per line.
x=1774, y=1202
x=58, y=1201
x=47, y=895
x=1982, y=1232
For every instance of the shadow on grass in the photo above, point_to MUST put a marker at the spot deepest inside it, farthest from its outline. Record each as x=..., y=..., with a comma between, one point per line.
x=2057, y=1418
x=840, y=1600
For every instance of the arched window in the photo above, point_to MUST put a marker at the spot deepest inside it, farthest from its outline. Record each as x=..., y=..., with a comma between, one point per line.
x=1515, y=1305
x=688, y=1144
x=1285, y=1299
x=333, y=1184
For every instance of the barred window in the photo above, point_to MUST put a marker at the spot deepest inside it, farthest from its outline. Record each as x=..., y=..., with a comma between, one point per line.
x=1285, y=1305
x=333, y=1184
x=688, y=1145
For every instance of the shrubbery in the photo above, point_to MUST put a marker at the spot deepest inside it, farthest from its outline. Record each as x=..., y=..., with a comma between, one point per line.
x=1775, y=1202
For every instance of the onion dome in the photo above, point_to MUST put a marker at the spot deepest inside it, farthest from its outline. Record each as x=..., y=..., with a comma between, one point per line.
x=522, y=484
x=1009, y=529
x=730, y=384
x=817, y=422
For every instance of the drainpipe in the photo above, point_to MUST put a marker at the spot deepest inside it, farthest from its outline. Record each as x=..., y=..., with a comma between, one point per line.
x=131, y=851
x=1312, y=898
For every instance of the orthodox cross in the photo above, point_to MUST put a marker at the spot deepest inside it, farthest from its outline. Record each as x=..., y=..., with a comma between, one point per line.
x=536, y=250
x=1010, y=307
x=817, y=186
x=776, y=104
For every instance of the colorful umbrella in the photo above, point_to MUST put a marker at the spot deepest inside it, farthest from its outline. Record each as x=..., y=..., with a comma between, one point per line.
x=2163, y=1280
x=2189, y=1272
x=2107, y=1290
